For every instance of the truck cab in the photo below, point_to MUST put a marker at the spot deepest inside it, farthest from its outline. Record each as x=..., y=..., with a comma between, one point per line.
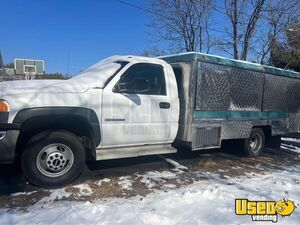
x=140, y=105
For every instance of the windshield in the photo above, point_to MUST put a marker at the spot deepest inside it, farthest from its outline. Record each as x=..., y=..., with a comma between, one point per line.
x=99, y=73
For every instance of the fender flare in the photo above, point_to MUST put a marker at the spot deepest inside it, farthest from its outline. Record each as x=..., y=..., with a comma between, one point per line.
x=85, y=113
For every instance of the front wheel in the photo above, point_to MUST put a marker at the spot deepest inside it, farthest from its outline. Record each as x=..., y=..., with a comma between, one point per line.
x=254, y=145
x=53, y=159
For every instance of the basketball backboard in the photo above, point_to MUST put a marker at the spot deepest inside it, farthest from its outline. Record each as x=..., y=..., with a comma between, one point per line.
x=29, y=67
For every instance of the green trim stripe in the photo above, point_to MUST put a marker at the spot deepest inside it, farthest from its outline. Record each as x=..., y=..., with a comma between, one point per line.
x=243, y=114
x=267, y=115
x=210, y=114
x=239, y=115
x=194, y=56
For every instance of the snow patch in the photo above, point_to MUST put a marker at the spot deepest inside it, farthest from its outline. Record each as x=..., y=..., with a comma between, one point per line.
x=84, y=190
x=177, y=167
x=57, y=194
x=170, y=186
x=100, y=182
x=23, y=193
x=291, y=139
x=150, y=179
x=125, y=182
x=63, y=193
x=290, y=148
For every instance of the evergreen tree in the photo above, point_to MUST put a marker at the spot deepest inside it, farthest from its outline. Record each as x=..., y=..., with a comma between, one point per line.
x=287, y=54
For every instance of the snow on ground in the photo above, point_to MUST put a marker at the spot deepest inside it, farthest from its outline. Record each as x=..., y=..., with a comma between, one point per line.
x=290, y=148
x=150, y=179
x=77, y=191
x=23, y=193
x=55, y=195
x=177, y=167
x=125, y=183
x=291, y=139
x=291, y=144
x=84, y=190
x=210, y=201
x=104, y=180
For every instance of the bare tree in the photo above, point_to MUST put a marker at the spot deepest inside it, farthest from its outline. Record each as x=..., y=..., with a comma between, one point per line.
x=183, y=23
x=278, y=15
x=250, y=31
x=153, y=51
x=243, y=16
x=254, y=25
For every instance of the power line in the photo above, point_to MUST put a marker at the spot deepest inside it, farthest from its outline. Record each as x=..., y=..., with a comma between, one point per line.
x=154, y=13
x=139, y=8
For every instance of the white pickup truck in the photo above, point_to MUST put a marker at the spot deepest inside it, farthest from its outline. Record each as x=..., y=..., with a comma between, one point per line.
x=129, y=106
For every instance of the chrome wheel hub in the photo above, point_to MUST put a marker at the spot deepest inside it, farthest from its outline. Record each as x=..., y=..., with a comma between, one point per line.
x=55, y=160
x=255, y=142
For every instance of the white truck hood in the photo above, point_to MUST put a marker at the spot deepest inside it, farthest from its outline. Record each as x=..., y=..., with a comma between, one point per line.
x=42, y=86
x=93, y=77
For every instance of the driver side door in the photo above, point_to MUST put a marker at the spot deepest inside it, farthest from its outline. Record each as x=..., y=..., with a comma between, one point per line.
x=131, y=109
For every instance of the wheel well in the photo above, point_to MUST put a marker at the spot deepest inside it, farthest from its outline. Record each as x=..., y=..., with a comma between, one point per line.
x=266, y=129
x=72, y=123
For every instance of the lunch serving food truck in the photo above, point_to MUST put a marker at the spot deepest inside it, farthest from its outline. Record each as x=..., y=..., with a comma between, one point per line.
x=129, y=106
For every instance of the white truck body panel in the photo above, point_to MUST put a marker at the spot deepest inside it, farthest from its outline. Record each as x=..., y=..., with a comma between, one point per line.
x=31, y=100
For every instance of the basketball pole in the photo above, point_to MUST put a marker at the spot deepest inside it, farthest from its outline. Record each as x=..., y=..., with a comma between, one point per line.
x=69, y=55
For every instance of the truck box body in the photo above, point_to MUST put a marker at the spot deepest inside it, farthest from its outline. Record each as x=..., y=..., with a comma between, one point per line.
x=224, y=99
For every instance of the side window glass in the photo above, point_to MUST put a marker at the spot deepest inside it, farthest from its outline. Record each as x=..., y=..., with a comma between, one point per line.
x=143, y=78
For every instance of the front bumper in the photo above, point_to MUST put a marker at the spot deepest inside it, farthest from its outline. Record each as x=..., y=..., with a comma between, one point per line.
x=9, y=134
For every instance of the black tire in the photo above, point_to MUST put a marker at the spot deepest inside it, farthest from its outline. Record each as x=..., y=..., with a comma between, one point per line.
x=35, y=159
x=254, y=145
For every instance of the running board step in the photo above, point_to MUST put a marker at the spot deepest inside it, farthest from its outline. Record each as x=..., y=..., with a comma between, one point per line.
x=136, y=151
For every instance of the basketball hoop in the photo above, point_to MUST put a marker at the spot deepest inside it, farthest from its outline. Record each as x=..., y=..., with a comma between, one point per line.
x=29, y=76
x=29, y=72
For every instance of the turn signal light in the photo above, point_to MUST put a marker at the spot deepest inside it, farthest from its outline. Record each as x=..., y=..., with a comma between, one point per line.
x=4, y=107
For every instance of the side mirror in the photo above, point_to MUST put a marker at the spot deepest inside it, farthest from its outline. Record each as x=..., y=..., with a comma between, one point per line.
x=120, y=87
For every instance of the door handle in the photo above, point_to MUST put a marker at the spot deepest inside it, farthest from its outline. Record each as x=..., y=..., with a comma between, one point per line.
x=164, y=105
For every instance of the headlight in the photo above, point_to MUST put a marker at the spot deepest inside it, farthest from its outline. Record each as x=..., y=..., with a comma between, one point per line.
x=4, y=106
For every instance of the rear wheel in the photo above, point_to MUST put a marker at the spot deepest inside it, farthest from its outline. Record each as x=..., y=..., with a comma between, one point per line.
x=254, y=145
x=53, y=159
